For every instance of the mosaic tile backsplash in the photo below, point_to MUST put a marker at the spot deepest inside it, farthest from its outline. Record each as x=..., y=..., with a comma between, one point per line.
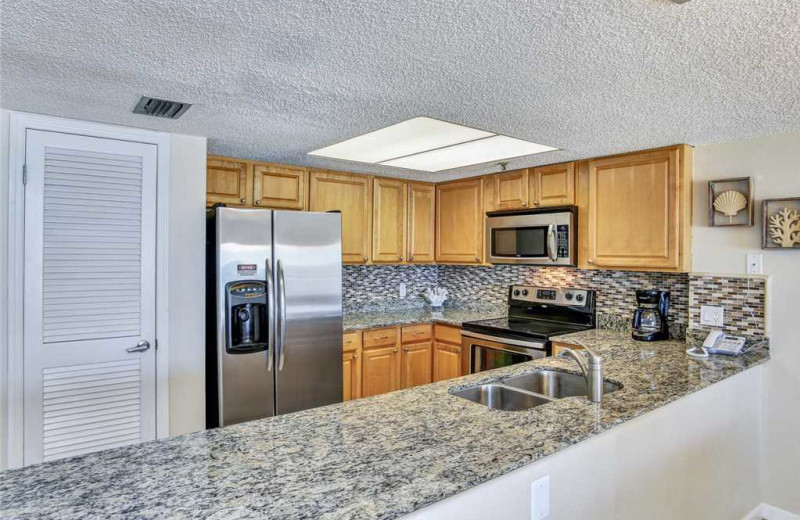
x=376, y=288
x=743, y=299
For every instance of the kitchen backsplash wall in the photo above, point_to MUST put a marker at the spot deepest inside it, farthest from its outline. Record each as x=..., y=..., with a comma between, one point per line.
x=616, y=290
x=744, y=301
x=377, y=287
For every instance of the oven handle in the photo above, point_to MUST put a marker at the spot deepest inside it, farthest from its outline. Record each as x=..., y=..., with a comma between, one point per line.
x=538, y=345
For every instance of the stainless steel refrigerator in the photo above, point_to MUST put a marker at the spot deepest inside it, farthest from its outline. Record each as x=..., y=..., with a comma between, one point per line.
x=274, y=319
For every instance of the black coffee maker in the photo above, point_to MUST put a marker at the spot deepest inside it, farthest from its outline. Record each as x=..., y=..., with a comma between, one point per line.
x=650, y=319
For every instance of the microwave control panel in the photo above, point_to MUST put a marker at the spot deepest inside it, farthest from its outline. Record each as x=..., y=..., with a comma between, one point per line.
x=562, y=241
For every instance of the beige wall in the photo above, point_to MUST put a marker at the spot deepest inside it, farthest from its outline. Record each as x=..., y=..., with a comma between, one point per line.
x=187, y=290
x=774, y=164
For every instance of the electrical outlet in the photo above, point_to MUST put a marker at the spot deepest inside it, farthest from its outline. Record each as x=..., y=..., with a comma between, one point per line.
x=402, y=290
x=540, y=498
x=754, y=264
x=712, y=315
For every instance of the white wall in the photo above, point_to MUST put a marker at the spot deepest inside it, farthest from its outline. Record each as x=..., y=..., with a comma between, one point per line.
x=669, y=464
x=774, y=163
x=187, y=291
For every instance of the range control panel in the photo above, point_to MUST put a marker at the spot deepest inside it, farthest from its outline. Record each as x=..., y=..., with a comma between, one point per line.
x=528, y=293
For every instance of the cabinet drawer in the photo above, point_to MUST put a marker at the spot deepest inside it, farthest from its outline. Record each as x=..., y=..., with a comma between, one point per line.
x=447, y=334
x=416, y=333
x=381, y=337
x=351, y=341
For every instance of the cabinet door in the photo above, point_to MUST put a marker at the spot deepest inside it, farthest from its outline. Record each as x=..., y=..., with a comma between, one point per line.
x=351, y=375
x=380, y=371
x=389, y=205
x=446, y=361
x=416, y=364
x=226, y=182
x=553, y=185
x=351, y=195
x=512, y=190
x=490, y=193
x=421, y=222
x=459, y=222
x=633, y=211
x=281, y=187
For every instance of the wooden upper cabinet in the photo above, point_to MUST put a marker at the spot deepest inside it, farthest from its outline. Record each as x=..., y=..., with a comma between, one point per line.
x=552, y=185
x=421, y=222
x=490, y=193
x=226, y=181
x=639, y=210
x=352, y=195
x=512, y=190
x=280, y=187
x=459, y=222
x=390, y=231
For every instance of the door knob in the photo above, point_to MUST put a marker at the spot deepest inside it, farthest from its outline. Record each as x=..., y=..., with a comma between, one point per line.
x=140, y=347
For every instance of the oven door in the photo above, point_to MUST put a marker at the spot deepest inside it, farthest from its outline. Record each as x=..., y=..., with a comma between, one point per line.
x=487, y=352
x=545, y=238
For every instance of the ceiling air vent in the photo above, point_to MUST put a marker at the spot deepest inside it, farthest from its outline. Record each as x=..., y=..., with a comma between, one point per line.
x=160, y=108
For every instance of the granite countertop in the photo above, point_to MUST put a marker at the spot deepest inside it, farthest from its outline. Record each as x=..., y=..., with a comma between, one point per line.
x=375, y=458
x=449, y=315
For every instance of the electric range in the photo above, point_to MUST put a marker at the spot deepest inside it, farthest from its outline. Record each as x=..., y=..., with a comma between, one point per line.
x=535, y=314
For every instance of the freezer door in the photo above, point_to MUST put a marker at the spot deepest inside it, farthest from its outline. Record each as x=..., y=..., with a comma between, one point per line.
x=246, y=387
x=308, y=283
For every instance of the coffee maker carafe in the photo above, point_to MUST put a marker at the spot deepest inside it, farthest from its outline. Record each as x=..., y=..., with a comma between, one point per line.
x=650, y=319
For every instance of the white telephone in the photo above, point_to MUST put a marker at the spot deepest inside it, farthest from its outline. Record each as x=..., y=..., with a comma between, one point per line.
x=718, y=343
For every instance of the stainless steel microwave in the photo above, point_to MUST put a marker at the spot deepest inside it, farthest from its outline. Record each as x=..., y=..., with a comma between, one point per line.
x=534, y=237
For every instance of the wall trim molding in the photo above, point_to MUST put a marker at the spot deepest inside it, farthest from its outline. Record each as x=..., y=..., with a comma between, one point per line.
x=19, y=123
x=770, y=513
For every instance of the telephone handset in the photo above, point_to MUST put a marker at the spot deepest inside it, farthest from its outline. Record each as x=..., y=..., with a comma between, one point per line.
x=718, y=343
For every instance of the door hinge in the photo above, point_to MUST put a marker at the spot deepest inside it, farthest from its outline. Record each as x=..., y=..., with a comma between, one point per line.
x=156, y=343
x=24, y=174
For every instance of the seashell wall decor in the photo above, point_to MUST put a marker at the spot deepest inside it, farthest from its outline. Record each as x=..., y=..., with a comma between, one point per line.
x=730, y=202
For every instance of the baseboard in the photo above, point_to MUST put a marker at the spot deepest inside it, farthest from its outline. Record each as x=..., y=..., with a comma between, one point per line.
x=770, y=513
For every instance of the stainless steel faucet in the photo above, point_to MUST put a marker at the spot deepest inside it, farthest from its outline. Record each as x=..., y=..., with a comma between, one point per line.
x=593, y=372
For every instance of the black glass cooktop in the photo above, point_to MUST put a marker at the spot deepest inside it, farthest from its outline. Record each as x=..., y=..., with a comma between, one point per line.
x=509, y=327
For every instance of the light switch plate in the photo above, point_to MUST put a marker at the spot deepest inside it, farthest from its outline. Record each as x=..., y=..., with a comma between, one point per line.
x=402, y=290
x=712, y=315
x=754, y=264
x=540, y=498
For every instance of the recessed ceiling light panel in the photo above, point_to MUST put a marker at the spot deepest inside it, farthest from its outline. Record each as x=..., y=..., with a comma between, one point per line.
x=466, y=154
x=409, y=137
x=428, y=144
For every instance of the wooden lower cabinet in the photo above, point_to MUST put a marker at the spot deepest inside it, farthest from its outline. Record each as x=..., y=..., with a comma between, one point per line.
x=380, y=370
x=351, y=366
x=558, y=347
x=416, y=363
x=446, y=361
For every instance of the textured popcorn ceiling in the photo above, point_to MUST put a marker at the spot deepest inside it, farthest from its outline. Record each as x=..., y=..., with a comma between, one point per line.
x=276, y=79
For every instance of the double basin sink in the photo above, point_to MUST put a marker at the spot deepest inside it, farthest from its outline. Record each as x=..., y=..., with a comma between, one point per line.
x=530, y=390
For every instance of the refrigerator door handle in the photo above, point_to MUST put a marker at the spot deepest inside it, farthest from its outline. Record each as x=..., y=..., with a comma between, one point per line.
x=281, y=316
x=270, y=316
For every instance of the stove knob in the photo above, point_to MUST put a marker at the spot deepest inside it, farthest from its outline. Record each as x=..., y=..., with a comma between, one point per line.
x=568, y=296
x=579, y=298
x=525, y=292
x=516, y=292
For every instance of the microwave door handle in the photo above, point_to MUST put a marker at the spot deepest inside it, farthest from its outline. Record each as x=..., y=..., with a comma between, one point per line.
x=551, y=243
x=270, y=316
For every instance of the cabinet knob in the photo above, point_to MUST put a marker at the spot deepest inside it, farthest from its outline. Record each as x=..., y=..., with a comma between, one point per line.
x=410, y=258
x=477, y=259
x=258, y=203
x=402, y=258
x=405, y=349
x=242, y=200
x=365, y=258
x=355, y=356
x=536, y=202
x=524, y=204
x=590, y=261
x=395, y=351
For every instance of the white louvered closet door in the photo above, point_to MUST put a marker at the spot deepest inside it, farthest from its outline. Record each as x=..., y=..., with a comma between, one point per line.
x=90, y=294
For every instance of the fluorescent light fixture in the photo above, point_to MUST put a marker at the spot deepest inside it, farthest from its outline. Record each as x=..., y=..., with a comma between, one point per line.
x=409, y=137
x=475, y=152
x=432, y=145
